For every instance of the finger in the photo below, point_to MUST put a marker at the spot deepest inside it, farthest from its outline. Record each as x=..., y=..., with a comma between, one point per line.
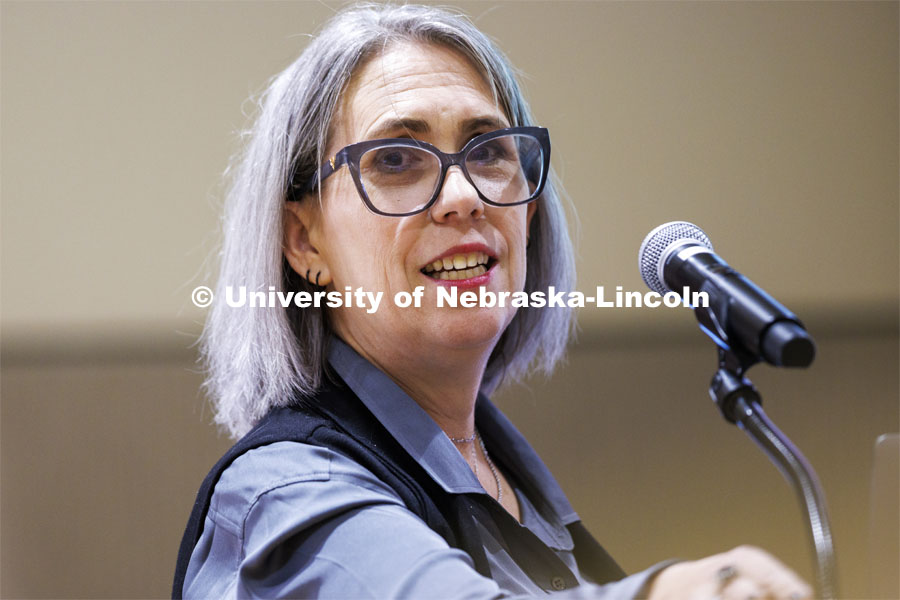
x=768, y=571
x=788, y=588
x=745, y=588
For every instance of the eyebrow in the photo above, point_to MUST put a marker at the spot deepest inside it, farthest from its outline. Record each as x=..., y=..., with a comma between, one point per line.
x=419, y=126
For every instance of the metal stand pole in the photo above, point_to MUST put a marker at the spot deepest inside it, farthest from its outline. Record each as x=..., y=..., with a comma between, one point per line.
x=740, y=404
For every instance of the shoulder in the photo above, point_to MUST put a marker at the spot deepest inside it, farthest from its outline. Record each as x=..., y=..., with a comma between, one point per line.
x=311, y=478
x=290, y=519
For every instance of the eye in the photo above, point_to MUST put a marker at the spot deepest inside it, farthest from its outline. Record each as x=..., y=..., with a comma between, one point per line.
x=489, y=152
x=395, y=159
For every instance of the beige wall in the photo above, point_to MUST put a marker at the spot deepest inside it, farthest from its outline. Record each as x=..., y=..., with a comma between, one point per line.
x=772, y=125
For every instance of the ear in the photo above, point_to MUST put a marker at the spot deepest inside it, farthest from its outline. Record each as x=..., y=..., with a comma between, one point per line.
x=300, y=220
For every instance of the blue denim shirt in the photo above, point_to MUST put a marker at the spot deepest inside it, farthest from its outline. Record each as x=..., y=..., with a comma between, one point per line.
x=292, y=520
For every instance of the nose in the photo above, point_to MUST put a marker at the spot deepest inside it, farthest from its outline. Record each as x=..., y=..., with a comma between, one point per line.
x=458, y=199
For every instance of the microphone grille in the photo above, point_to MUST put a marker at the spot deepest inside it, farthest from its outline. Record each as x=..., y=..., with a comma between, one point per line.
x=655, y=246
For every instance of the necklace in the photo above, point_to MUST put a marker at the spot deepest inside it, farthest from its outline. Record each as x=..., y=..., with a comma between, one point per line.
x=492, y=467
x=487, y=458
x=467, y=440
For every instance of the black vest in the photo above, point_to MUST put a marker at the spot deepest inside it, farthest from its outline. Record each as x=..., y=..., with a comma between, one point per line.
x=336, y=419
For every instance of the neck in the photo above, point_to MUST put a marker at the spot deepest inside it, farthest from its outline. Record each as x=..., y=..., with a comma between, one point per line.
x=445, y=384
x=450, y=398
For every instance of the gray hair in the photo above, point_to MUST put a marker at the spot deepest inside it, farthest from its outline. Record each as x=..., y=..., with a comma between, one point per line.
x=258, y=359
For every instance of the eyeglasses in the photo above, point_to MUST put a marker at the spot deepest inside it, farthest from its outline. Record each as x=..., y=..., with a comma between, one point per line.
x=398, y=177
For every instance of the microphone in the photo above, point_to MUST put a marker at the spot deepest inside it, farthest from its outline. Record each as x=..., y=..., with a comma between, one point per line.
x=740, y=315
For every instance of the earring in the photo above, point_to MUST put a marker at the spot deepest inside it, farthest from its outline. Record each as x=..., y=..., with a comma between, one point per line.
x=317, y=279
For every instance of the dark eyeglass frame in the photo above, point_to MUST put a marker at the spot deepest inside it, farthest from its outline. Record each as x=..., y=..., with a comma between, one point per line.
x=351, y=155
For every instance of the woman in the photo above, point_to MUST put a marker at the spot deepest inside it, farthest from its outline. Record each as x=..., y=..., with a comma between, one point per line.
x=397, y=155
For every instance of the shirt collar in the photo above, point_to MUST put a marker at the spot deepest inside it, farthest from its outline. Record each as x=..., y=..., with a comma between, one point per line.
x=421, y=437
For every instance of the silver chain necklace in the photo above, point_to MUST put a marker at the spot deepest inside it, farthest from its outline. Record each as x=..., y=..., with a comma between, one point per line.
x=467, y=440
x=490, y=463
x=487, y=457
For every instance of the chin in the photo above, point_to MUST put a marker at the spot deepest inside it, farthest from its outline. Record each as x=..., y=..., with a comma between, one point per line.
x=474, y=328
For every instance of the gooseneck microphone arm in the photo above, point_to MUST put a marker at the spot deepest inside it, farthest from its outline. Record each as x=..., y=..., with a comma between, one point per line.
x=740, y=404
x=748, y=326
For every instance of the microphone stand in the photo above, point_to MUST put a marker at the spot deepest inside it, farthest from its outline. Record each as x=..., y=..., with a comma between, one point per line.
x=740, y=404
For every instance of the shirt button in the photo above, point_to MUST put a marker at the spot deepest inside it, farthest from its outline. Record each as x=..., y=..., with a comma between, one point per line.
x=558, y=583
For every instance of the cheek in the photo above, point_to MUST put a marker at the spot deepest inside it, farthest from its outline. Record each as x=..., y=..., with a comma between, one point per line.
x=514, y=228
x=516, y=238
x=345, y=234
x=361, y=250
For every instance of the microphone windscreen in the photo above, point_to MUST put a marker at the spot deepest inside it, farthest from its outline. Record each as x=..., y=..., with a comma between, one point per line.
x=655, y=249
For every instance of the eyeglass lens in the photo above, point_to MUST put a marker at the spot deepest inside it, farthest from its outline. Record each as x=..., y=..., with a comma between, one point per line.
x=400, y=179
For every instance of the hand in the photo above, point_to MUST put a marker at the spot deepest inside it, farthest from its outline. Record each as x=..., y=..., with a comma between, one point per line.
x=744, y=573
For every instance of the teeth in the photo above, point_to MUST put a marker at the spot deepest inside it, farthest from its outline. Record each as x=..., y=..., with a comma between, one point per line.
x=475, y=271
x=458, y=266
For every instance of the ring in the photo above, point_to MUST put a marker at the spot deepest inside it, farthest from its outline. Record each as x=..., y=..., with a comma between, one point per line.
x=725, y=574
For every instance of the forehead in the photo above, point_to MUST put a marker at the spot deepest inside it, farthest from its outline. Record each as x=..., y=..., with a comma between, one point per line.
x=412, y=81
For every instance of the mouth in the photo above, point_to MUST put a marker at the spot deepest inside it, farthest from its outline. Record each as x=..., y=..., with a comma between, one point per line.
x=461, y=265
